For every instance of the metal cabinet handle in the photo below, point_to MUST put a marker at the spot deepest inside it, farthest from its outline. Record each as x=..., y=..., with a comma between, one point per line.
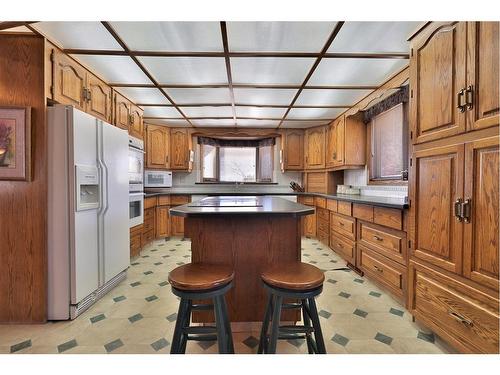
x=89, y=95
x=466, y=210
x=460, y=97
x=341, y=223
x=458, y=209
x=340, y=245
x=469, y=97
x=375, y=237
x=461, y=319
x=378, y=269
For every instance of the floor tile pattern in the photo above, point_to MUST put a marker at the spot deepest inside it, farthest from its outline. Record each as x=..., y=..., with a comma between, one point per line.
x=139, y=315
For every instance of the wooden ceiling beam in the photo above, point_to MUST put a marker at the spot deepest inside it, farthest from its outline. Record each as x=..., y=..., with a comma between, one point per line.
x=247, y=86
x=227, y=60
x=243, y=105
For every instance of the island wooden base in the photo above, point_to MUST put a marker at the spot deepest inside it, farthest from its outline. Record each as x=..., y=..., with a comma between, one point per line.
x=248, y=243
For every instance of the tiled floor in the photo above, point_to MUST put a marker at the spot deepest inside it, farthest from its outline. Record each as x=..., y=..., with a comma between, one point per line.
x=138, y=316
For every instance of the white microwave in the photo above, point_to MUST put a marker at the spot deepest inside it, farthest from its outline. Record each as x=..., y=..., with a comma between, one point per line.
x=157, y=179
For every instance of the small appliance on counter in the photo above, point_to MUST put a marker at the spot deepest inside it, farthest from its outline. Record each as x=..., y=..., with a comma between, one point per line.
x=296, y=187
x=157, y=179
x=348, y=189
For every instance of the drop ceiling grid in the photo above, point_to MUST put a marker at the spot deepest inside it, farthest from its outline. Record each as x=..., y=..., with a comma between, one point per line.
x=300, y=84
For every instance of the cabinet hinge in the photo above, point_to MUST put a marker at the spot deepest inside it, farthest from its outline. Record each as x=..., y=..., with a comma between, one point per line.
x=409, y=244
x=411, y=162
x=411, y=134
x=411, y=52
x=411, y=93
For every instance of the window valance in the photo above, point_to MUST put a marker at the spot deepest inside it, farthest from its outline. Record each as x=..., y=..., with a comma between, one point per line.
x=217, y=142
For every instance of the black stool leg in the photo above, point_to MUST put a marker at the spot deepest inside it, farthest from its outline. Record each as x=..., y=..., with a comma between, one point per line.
x=318, y=335
x=273, y=341
x=228, y=324
x=221, y=329
x=265, y=325
x=179, y=325
x=186, y=323
x=307, y=323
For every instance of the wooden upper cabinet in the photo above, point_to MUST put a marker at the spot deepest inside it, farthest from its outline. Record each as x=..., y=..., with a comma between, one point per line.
x=482, y=75
x=315, y=148
x=481, y=232
x=180, y=149
x=136, y=124
x=157, y=147
x=69, y=81
x=331, y=143
x=346, y=142
x=437, y=77
x=293, y=150
x=121, y=116
x=437, y=184
x=98, y=98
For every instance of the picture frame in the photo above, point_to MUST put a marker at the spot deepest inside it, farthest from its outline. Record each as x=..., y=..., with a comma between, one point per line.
x=15, y=143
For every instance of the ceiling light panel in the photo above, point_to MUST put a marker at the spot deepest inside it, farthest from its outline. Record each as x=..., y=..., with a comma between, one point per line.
x=270, y=70
x=141, y=95
x=171, y=36
x=200, y=95
x=208, y=111
x=161, y=112
x=78, y=35
x=303, y=124
x=342, y=71
x=374, y=37
x=264, y=96
x=315, y=113
x=331, y=97
x=187, y=70
x=278, y=36
x=114, y=69
x=258, y=123
x=260, y=112
x=213, y=122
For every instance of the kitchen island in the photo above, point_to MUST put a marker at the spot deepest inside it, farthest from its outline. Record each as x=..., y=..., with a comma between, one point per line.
x=248, y=233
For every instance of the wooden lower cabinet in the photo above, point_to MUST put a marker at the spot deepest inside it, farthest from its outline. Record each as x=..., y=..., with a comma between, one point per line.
x=148, y=227
x=465, y=316
x=323, y=224
x=135, y=240
x=344, y=247
x=385, y=241
x=162, y=221
x=177, y=226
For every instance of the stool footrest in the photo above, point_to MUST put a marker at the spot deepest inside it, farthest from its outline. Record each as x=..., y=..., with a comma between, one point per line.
x=291, y=305
x=296, y=329
x=202, y=338
x=202, y=306
x=199, y=330
x=290, y=336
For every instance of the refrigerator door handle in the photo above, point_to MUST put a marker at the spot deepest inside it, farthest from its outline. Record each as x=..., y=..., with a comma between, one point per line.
x=103, y=189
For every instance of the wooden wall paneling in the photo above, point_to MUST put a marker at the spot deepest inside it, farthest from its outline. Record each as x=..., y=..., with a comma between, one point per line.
x=23, y=205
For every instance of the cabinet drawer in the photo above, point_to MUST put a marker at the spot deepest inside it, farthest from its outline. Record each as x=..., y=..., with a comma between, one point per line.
x=323, y=225
x=381, y=269
x=308, y=200
x=149, y=225
x=149, y=202
x=344, y=208
x=323, y=214
x=385, y=241
x=362, y=211
x=320, y=202
x=331, y=205
x=163, y=200
x=135, y=244
x=343, y=247
x=179, y=199
x=148, y=236
x=149, y=213
x=389, y=217
x=343, y=225
x=137, y=230
x=459, y=313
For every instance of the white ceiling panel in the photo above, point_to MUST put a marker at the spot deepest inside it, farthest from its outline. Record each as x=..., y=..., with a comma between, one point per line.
x=314, y=113
x=303, y=124
x=373, y=37
x=260, y=112
x=171, y=36
x=114, y=69
x=332, y=71
x=161, y=112
x=169, y=123
x=201, y=95
x=213, y=122
x=278, y=36
x=187, y=70
x=330, y=97
x=264, y=96
x=208, y=111
x=258, y=123
x=78, y=35
x=141, y=95
x=270, y=70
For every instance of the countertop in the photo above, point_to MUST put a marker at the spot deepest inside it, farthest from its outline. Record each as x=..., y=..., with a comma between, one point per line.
x=390, y=202
x=242, y=205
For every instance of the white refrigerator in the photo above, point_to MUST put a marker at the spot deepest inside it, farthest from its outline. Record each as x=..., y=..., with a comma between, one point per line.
x=88, y=212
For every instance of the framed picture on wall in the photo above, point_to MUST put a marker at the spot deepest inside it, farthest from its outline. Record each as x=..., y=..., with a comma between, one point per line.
x=15, y=143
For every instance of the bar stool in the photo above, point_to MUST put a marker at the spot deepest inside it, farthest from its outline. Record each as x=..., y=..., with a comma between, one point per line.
x=298, y=281
x=198, y=282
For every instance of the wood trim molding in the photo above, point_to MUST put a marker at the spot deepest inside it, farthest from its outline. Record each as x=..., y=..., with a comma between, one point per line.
x=227, y=60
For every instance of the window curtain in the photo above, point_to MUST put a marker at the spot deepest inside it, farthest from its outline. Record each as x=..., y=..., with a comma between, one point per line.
x=400, y=96
x=236, y=142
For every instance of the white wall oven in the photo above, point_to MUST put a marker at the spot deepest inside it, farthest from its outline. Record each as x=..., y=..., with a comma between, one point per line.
x=135, y=164
x=136, y=209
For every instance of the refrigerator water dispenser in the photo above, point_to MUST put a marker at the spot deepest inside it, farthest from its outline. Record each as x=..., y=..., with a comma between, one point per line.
x=87, y=187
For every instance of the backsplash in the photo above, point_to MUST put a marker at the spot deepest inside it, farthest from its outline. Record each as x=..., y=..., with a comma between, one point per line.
x=358, y=178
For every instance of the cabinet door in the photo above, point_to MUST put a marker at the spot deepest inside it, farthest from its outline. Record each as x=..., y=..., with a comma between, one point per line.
x=310, y=225
x=136, y=125
x=482, y=74
x=179, y=149
x=437, y=75
x=98, y=103
x=177, y=226
x=162, y=221
x=157, y=147
x=331, y=144
x=481, y=233
x=293, y=150
x=339, y=143
x=437, y=183
x=69, y=81
x=315, y=143
x=122, y=112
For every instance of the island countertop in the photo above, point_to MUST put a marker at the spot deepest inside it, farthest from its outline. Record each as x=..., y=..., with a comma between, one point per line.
x=241, y=205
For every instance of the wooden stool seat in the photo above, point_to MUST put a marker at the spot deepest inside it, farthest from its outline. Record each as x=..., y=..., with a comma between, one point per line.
x=198, y=277
x=294, y=276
